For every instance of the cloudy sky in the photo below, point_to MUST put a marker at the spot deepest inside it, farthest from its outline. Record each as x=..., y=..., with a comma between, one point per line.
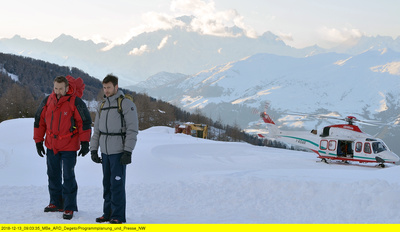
x=299, y=23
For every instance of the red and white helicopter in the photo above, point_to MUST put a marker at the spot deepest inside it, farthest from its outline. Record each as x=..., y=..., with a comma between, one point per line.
x=343, y=142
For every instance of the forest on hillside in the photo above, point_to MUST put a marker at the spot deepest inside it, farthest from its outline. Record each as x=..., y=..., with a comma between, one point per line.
x=24, y=82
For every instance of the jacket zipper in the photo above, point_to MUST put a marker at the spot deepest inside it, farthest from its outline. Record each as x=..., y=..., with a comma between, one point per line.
x=51, y=122
x=59, y=123
x=108, y=111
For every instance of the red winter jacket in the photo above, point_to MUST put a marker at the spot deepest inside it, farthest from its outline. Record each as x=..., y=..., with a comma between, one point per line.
x=65, y=122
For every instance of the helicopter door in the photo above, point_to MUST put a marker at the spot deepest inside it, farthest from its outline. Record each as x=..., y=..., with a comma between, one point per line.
x=345, y=148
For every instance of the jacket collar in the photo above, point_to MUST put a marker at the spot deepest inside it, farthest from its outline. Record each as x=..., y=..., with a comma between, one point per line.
x=61, y=100
x=115, y=96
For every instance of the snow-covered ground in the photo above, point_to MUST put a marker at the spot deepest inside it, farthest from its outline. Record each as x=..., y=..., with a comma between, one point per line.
x=176, y=178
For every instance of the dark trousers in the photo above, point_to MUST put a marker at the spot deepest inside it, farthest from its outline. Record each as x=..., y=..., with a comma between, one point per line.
x=114, y=175
x=61, y=166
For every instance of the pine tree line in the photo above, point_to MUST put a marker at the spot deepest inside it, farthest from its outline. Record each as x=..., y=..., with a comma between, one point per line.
x=20, y=99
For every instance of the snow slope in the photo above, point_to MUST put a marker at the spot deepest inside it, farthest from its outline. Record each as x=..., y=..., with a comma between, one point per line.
x=176, y=178
x=366, y=86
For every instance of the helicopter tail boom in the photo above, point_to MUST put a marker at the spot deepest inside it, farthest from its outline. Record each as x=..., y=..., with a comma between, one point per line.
x=267, y=119
x=272, y=127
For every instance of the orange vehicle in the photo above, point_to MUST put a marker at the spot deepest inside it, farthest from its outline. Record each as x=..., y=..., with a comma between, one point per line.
x=195, y=130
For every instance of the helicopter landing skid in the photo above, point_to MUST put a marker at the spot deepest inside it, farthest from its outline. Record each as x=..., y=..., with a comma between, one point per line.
x=345, y=162
x=380, y=161
x=323, y=160
x=382, y=165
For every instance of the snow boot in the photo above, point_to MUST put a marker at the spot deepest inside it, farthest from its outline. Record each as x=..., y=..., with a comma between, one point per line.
x=68, y=214
x=115, y=221
x=102, y=219
x=52, y=208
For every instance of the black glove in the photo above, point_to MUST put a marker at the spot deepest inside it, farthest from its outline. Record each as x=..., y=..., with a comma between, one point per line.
x=40, y=149
x=95, y=157
x=84, y=148
x=126, y=158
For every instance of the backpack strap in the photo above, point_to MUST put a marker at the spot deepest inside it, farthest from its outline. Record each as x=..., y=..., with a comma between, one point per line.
x=120, y=111
x=42, y=107
x=102, y=105
x=119, y=107
x=71, y=101
x=120, y=99
x=72, y=107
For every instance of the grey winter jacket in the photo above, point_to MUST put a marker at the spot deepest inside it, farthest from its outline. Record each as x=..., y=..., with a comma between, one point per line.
x=107, y=127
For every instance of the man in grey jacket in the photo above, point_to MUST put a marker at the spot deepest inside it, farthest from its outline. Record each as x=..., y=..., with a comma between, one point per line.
x=115, y=131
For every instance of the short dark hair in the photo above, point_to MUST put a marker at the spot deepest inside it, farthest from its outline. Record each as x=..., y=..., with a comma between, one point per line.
x=61, y=79
x=111, y=78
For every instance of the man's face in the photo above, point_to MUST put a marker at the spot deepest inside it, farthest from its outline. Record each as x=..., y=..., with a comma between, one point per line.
x=109, y=89
x=60, y=89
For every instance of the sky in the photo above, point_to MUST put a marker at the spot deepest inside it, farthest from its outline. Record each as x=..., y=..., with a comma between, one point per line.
x=299, y=23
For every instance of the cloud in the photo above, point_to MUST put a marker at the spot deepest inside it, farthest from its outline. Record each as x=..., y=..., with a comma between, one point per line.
x=344, y=37
x=139, y=51
x=285, y=36
x=154, y=21
x=157, y=21
x=207, y=20
x=163, y=42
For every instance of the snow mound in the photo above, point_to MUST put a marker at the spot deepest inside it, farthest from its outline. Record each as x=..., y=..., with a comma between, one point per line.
x=176, y=178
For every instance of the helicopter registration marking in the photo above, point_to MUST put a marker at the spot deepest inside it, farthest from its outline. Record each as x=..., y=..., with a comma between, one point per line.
x=300, y=141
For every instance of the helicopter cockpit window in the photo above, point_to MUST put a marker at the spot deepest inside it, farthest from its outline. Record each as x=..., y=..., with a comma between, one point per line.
x=378, y=147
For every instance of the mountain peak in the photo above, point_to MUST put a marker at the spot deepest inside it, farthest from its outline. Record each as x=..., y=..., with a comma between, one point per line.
x=17, y=37
x=187, y=19
x=63, y=38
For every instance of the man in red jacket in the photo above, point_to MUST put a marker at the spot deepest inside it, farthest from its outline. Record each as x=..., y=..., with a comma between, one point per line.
x=65, y=120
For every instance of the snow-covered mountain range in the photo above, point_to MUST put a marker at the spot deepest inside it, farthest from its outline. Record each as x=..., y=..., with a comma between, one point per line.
x=366, y=86
x=176, y=50
x=230, y=77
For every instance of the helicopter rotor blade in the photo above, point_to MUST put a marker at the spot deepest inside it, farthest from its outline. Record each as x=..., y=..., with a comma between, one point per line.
x=318, y=116
x=348, y=119
x=332, y=115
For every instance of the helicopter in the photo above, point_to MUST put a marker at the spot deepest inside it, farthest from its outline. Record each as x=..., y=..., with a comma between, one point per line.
x=341, y=142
